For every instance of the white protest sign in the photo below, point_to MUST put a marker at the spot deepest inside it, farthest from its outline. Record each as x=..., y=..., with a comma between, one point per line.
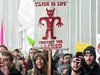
x=97, y=47
x=51, y=23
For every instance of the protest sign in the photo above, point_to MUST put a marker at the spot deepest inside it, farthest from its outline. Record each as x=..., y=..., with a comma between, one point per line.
x=51, y=23
x=97, y=47
x=81, y=46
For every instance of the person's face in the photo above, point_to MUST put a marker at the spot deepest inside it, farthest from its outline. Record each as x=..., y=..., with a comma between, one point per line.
x=39, y=62
x=23, y=72
x=2, y=49
x=89, y=58
x=5, y=60
x=16, y=53
x=67, y=59
x=31, y=53
x=75, y=66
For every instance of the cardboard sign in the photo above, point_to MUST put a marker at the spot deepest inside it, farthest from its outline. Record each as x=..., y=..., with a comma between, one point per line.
x=81, y=46
x=51, y=23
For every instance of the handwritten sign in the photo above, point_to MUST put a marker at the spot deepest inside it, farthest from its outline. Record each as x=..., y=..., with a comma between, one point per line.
x=81, y=46
x=51, y=24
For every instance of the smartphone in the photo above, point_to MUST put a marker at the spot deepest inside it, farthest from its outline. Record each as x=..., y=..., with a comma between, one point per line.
x=78, y=54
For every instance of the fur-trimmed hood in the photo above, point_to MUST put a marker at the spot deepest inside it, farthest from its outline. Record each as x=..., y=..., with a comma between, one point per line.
x=37, y=54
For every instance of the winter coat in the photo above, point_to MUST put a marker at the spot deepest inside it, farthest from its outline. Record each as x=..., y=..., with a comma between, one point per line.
x=94, y=71
x=30, y=64
x=14, y=72
x=1, y=73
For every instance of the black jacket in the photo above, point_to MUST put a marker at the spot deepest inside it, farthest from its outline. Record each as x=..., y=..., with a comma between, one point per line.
x=1, y=73
x=12, y=72
x=29, y=63
x=88, y=70
x=96, y=69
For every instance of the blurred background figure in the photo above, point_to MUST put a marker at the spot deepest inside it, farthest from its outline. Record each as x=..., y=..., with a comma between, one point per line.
x=17, y=64
x=2, y=47
x=16, y=52
x=24, y=68
x=29, y=62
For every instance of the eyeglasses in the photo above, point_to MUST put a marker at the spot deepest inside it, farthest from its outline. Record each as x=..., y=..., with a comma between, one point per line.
x=31, y=52
x=67, y=58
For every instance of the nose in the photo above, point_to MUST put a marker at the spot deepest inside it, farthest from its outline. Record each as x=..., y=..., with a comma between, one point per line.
x=39, y=60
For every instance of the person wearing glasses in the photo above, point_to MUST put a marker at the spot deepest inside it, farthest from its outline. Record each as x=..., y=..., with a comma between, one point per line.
x=76, y=68
x=66, y=60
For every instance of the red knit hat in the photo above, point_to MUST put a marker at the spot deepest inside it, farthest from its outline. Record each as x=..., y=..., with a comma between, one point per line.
x=24, y=63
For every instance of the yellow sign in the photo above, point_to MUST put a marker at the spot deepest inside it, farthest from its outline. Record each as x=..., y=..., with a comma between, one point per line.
x=81, y=46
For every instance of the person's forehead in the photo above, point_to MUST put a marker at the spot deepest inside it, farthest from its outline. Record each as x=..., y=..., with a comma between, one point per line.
x=3, y=56
x=67, y=56
x=88, y=54
x=38, y=57
x=2, y=48
x=74, y=59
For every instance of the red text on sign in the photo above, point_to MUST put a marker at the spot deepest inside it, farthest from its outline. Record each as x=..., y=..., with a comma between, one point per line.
x=37, y=4
x=61, y=3
x=54, y=46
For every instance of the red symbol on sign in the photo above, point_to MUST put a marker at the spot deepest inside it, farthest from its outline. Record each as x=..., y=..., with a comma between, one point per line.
x=50, y=21
x=98, y=48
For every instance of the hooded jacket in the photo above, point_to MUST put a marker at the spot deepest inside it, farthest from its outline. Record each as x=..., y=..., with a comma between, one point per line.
x=35, y=55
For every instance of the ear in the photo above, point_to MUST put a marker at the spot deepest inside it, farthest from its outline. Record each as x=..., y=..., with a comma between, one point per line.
x=54, y=9
x=46, y=9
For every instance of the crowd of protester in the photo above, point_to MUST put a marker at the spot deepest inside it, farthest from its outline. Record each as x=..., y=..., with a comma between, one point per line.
x=36, y=62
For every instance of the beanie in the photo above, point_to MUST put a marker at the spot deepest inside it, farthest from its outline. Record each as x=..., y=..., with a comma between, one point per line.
x=89, y=49
x=24, y=63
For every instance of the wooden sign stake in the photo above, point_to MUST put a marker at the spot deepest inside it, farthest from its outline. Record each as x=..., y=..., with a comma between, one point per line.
x=49, y=62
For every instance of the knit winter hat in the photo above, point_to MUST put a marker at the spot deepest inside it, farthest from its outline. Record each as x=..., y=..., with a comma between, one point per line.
x=89, y=49
x=24, y=63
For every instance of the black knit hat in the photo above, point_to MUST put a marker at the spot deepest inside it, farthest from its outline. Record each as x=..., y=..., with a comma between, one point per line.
x=89, y=49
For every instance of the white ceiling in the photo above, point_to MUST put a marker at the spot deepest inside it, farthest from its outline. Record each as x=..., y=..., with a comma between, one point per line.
x=25, y=12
